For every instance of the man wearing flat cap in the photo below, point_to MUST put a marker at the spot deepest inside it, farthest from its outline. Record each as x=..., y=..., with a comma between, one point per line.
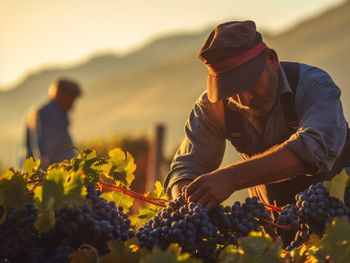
x=284, y=118
x=47, y=136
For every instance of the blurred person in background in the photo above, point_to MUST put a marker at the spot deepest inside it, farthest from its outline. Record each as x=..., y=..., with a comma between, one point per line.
x=47, y=129
x=284, y=118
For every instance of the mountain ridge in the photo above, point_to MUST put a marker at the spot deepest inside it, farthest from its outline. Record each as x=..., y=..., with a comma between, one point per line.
x=160, y=81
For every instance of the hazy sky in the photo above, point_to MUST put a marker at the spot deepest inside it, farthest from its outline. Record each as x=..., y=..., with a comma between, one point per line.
x=36, y=33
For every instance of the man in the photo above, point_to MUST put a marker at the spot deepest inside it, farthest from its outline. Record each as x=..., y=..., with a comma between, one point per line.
x=47, y=135
x=250, y=102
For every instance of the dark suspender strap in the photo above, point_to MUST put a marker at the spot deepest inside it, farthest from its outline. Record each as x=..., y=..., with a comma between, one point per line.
x=291, y=70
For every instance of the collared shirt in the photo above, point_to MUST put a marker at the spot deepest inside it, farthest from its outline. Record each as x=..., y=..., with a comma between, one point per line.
x=318, y=141
x=47, y=135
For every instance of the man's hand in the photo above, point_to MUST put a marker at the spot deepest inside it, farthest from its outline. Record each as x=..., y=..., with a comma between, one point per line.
x=177, y=188
x=210, y=189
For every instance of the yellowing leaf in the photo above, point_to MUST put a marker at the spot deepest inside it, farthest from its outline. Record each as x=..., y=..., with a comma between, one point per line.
x=120, y=167
x=8, y=174
x=31, y=166
x=336, y=186
x=159, y=189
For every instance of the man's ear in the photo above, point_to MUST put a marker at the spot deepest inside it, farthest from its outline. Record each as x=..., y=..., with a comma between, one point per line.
x=272, y=57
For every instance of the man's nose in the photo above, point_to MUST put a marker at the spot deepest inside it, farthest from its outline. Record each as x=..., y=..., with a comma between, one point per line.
x=245, y=97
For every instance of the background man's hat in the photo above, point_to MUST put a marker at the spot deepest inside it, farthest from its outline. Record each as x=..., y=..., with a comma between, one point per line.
x=235, y=56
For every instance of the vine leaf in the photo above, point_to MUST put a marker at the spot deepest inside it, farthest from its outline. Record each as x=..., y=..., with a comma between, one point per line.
x=258, y=248
x=31, y=166
x=336, y=186
x=90, y=163
x=144, y=214
x=121, y=252
x=231, y=254
x=335, y=242
x=13, y=189
x=120, y=167
x=59, y=188
x=150, y=210
x=85, y=254
x=171, y=255
x=124, y=201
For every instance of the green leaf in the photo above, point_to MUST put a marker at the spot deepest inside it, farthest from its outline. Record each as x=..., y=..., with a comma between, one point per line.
x=335, y=242
x=145, y=214
x=231, y=254
x=31, y=166
x=121, y=252
x=85, y=254
x=90, y=163
x=121, y=200
x=120, y=167
x=336, y=186
x=58, y=189
x=258, y=247
x=13, y=190
x=172, y=255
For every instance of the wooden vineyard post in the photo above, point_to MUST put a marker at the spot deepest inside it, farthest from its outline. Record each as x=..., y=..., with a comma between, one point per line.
x=155, y=157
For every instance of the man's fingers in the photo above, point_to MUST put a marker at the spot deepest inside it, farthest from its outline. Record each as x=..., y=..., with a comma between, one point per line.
x=196, y=195
x=204, y=200
x=191, y=188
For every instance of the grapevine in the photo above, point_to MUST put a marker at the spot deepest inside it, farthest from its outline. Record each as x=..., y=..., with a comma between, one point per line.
x=55, y=215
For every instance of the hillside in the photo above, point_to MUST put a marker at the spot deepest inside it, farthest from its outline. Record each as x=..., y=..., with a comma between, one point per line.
x=159, y=82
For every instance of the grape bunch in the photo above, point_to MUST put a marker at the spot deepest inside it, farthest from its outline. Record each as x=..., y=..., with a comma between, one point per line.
x=240, y=219
x=289, y=216
x=316, y=208
x=17, y=234
x=59, y=254
x=199, y=232
x=186, y=224
x=95, y=223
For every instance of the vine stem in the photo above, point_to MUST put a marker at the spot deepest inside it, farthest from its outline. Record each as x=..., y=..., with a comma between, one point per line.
x=155, y=201
x=273, y=208
x=286, y=227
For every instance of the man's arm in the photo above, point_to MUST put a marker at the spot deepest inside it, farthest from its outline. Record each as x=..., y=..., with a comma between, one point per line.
x=274, y=165
x=201, y=150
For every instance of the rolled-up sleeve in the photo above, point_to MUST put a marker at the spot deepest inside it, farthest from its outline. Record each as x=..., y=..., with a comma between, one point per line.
x=203, y=146
x=322, y=127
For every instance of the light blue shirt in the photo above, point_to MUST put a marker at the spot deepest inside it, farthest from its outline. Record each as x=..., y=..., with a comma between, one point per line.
x=318, y=141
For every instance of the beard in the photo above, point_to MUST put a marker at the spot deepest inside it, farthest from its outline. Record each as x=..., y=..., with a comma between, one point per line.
x=261, y=106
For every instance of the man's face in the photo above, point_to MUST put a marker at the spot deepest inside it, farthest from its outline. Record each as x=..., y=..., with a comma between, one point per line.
x=261, y=97
x=67, y=102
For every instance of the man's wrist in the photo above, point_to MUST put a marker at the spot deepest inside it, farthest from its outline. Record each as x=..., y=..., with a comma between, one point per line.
x=176, y=189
